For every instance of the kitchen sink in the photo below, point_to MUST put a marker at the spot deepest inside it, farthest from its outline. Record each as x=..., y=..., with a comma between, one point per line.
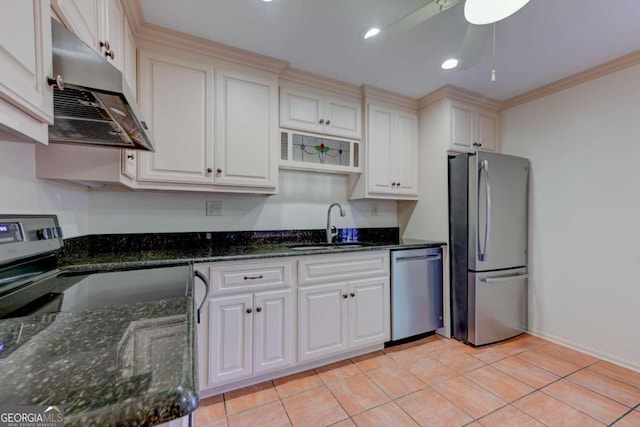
x=319, y=246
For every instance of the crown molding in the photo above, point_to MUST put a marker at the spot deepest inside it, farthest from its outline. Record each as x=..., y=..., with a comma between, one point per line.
x=319, y=82
x=592, y=73
x=133, y=12
x=160, y=36
x=371, y=92
x=459, y=94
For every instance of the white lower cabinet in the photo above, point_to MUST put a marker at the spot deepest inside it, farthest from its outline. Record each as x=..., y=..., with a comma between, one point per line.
x=260, y=313
x=250, y=334
x=334, y=318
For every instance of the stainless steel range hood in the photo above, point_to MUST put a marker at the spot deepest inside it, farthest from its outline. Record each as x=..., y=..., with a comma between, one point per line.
x=95, y=105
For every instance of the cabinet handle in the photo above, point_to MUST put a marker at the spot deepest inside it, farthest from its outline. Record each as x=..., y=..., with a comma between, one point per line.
x=105, y=44
x=321, y=121
x=328, y=122
x=259, y=309
x=131, y=156
x=397, y=184
x=209, y=170
x=253, y=277
x=393, y=184
x=58, y=82
x=345, y=296
x=249, y=311
x=110, y=54
x=352, y=294
x=219, y=170
x=476, y=144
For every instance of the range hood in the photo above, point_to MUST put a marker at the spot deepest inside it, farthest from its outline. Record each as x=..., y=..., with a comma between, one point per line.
x=92, y=103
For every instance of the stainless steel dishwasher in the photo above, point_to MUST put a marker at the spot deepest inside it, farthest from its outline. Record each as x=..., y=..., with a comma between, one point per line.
x=416, y=292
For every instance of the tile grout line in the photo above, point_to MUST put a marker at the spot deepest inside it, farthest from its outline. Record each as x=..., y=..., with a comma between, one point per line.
x=630, y=411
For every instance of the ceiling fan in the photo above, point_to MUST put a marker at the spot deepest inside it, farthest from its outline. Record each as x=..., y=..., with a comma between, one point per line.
x=480, y=14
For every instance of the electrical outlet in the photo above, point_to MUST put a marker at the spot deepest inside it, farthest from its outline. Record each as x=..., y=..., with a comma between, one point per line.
x=374, y=209
x=214, y=207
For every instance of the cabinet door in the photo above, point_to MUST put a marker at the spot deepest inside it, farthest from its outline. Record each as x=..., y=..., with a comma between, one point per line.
x=342, y=118
x=369, y=311
x=301, y=110
x=176, y=97
x=246, y=133
x=406, y=154
x=81, y=17
x=25, y=63
x=487, y=130
x=112, y=31
x=130, y=67
x=322, y=321
x=230, y=338
x=273, y=335
x=462, y=129
x=379, y=148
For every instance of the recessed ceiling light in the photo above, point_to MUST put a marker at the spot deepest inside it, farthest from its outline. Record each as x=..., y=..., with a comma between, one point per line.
x=372, y=32
x=450, y=64
x=266, y=1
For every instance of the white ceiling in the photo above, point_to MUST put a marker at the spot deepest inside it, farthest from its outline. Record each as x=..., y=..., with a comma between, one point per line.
x=545, y=41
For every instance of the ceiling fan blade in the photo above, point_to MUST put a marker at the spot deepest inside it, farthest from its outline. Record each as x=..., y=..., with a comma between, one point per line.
x=419, y=16
x=475, y=40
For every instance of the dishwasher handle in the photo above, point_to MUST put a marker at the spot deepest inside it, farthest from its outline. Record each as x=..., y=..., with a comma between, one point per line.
x=204, y=279
x=419, y=257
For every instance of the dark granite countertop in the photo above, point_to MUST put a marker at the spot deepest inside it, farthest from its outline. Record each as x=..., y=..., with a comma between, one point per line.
x=101, y=363
x=114, y=252
x=129, y=364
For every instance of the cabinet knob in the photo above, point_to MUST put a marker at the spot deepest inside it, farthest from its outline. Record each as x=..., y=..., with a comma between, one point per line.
x=352, y=294
x=393, y=184
x=219, y=170
x=131, y=156
x=345, y=296
x=105, y=44
x=476, y=144
x=209, y=170
x=328, y=122
x=110, y=54
x=57, y=82
x=259, y=309
x=321, y=121
x=249, y=311
x=397, y=184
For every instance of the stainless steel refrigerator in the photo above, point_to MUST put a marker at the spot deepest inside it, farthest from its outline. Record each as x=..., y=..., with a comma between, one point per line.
x=488, y=214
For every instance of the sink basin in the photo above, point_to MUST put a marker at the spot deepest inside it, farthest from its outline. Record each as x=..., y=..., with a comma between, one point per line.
x=319, y=246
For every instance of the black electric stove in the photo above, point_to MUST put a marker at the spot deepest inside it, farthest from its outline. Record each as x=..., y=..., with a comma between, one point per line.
x=31, y=284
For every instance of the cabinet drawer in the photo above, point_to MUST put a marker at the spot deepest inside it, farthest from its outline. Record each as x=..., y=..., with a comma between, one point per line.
x=323, y=269
x=241, y=276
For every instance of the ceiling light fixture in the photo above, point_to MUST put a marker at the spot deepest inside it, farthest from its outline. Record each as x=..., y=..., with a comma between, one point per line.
x=372, y=32
x=483, y=12
x=450, y=64
x=267, y=1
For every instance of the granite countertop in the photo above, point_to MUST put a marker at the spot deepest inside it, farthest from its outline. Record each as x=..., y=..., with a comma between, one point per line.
x=107, y=253
x=134, y=364
x=128, y=364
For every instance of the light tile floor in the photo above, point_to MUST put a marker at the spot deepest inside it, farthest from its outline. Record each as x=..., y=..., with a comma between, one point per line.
x=525, y=381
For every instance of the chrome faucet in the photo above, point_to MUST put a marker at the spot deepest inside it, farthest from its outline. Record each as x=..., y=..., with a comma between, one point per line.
x=332, y=231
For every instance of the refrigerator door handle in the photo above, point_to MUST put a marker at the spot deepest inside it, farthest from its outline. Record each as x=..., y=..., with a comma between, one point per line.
x=482, y=251
x=504, y=278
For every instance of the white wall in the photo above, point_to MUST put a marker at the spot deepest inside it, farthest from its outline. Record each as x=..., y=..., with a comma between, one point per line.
x=302, y=203
x=584, y=235
x=21, y=192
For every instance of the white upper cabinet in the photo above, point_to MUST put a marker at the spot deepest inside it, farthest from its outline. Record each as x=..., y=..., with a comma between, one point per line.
x=81, y=17
x=130, y=66
x=391, y=168
x=176, y=97
x=246, y=129
x=99, y=23
x=320, y=112
x=472, y=128
x=112, y=33
x=26, y=100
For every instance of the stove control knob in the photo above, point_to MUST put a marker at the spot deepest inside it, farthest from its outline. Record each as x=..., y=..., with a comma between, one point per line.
x=49, y=233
